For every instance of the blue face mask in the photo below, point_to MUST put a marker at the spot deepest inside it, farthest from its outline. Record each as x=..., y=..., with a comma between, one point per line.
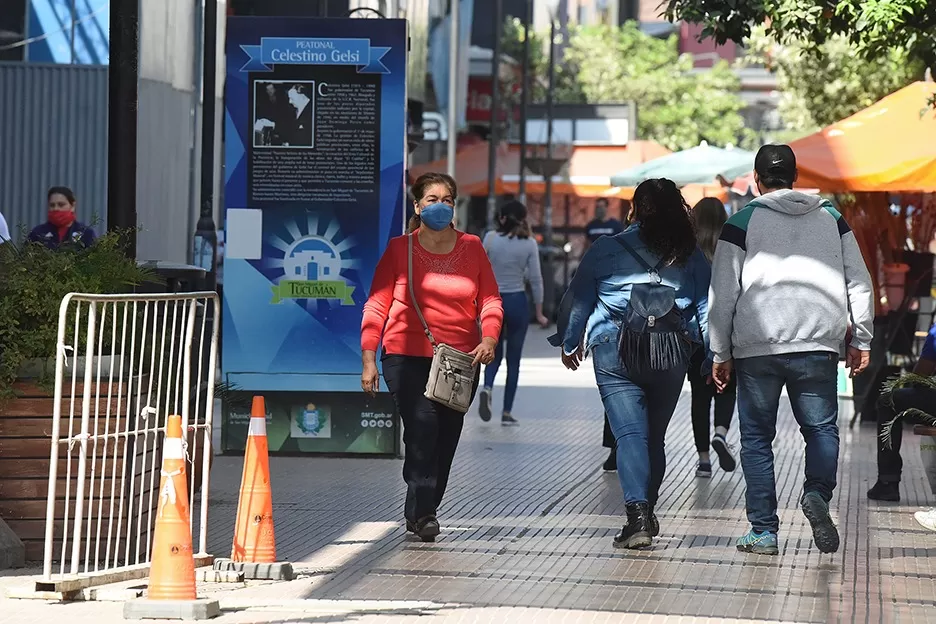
x=437, y=216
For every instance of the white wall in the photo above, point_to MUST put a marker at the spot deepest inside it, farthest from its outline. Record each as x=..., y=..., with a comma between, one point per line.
x=166, y=136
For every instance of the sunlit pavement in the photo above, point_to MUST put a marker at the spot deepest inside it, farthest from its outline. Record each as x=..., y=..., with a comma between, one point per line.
x=527, y=529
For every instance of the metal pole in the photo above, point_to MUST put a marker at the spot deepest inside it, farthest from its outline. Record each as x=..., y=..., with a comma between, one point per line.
x=74, y=22
x=205, y=230
x=453, y=89
x=495, y=110
x=123, y=96
x=549, y=284
x=525, y=99
x=198, y=19
x=547, y=212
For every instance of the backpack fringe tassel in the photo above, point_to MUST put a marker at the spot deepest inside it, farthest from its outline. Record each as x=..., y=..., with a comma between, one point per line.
x=661, y=351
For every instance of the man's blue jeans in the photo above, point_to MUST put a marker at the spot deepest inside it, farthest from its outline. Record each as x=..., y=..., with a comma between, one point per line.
x=812, y=384
x=639, y=410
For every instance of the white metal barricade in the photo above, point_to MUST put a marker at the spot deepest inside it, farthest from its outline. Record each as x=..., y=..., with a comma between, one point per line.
x=124, y=363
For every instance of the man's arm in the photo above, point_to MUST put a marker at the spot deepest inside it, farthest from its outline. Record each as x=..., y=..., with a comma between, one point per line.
x=726, y=284
x=859, y=289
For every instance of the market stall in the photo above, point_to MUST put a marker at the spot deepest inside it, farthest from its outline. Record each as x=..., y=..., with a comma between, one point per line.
x=880, y=165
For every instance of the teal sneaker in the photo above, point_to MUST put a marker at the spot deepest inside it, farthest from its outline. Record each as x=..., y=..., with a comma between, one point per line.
x=759, y=543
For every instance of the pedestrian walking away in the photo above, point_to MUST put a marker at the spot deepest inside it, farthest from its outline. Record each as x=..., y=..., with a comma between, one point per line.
x=709, y=215
x=454, y=287
x=638, y=305
x=514, y=256
x=787, y=280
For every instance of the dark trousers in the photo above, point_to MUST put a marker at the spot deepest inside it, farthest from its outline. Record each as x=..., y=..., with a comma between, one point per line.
x=890, y=464
x=430, y=434
x=516, y=322
x=703, y=394
x=608, y=436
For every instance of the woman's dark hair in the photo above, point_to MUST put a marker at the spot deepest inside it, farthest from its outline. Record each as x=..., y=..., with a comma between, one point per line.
x=64, y=191
x=513, y=220
x=709, y=216
x=421, y=185
x=665, y=225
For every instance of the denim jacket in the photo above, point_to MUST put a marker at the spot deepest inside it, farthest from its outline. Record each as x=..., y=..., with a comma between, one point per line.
x=600, y=290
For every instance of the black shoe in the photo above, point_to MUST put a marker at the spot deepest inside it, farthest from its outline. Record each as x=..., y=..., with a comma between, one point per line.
x=726, y=458
x=610, y=464
x=428, y=529
x=653, y=524
x=484, y=407
x=509, y=421
x=885, y=491
x=411, y=527
x=636, y=533
x=825, y=534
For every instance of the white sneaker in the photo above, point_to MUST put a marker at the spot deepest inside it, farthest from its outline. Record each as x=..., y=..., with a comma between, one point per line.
x=927, y=518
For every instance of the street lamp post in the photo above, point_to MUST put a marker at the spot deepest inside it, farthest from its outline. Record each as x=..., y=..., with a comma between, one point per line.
x=495, y=110
x=525, y=98
x=549, y=282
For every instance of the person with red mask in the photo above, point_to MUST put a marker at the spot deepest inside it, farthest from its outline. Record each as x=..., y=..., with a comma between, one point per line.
x=61, y=226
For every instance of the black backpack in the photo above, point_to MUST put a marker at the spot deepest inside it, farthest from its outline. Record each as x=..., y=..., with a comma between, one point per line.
x=654, y=334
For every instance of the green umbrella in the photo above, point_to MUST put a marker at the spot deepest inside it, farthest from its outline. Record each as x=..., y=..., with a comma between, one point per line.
x=697, y=165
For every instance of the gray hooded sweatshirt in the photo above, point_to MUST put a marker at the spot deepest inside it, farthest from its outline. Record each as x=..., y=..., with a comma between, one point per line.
x=788, y=277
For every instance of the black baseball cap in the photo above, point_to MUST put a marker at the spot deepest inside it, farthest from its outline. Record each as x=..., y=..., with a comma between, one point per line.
x=776, y=161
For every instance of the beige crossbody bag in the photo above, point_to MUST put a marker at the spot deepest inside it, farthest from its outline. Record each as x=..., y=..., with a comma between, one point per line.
x=451, y=375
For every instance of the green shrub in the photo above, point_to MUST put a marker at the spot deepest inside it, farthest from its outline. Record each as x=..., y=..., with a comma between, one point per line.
x=33, y=282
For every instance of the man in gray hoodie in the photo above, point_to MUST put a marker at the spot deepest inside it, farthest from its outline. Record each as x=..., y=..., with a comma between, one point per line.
x=787, y=281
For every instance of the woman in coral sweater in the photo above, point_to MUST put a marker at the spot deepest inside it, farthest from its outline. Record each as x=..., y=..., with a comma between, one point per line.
x=455, y=288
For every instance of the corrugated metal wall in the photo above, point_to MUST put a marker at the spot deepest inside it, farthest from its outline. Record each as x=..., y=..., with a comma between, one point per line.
x=53, y=131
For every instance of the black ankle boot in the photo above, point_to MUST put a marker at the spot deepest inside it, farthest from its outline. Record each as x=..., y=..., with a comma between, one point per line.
x=653, y=525
x=636, y=533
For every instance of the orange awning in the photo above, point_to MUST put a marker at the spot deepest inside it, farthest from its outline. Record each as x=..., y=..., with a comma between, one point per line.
x=890, y=146
x=589, y=169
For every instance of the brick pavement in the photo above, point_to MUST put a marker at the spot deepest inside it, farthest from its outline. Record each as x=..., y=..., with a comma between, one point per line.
x=527, y=529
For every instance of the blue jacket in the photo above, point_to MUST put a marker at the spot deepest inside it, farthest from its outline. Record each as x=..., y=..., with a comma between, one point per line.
x=600, y=291
x=47, y=234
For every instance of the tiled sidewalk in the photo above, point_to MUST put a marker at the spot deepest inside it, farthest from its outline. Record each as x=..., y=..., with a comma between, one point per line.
x=527, y=529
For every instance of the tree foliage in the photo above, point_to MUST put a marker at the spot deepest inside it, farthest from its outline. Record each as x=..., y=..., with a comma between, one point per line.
x=873, y=27
x=676, y=106
x=831, y=84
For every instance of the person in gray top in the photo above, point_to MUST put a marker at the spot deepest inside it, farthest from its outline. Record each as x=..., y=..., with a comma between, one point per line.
x=514, y=256
x=788, y=279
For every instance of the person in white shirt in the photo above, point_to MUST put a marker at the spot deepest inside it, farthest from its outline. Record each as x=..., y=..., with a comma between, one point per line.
x=4, y=230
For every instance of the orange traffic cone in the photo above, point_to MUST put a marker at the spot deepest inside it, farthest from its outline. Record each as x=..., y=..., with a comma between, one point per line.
x=172, y=570
x=254, y=541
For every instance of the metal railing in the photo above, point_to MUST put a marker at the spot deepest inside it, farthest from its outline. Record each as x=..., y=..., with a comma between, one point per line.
x=124, y=363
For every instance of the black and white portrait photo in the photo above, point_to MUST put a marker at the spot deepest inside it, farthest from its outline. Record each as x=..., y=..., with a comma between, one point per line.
x=283, y=114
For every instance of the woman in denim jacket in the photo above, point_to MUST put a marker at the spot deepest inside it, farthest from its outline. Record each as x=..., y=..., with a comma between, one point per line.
x=639, y=403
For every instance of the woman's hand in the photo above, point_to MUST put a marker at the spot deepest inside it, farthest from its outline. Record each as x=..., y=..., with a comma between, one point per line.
x=572, y=362
x=370, y=378
x=484, y=352
x=540, y=317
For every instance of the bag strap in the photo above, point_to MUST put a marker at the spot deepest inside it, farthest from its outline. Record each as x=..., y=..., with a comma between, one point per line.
x=412, y=291
x=653, y=271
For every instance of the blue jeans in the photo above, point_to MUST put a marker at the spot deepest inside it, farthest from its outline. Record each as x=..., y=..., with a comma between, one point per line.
x=812, y=383
x=516, y=322
x=639, y=410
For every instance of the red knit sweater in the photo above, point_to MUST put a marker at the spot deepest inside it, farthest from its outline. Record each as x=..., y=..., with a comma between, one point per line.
x=453, y=291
